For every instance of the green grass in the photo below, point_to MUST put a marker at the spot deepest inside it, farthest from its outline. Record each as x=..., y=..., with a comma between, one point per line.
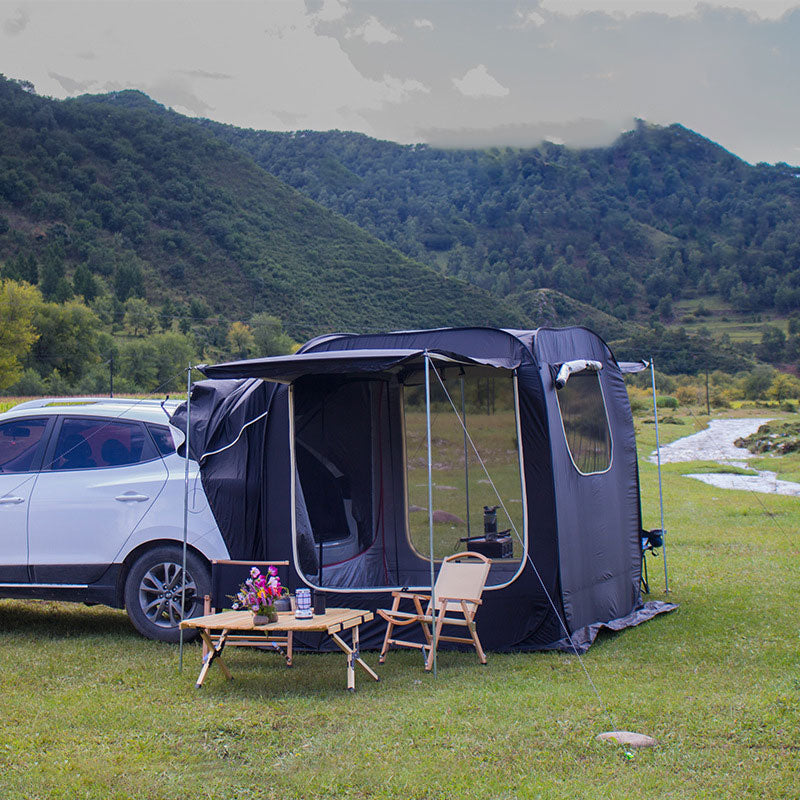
x=90, y=710
x=741, y=327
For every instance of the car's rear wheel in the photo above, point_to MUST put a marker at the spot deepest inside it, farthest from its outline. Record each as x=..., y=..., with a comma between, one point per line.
x=153, y=592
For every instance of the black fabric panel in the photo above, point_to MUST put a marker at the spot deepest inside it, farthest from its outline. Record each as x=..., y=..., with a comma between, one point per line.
x=598, y=515
x=536, y=590
x=278, y=486
x=234, y=481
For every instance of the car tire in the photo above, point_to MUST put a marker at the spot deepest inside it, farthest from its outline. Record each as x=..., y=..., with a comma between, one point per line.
x=153, y=592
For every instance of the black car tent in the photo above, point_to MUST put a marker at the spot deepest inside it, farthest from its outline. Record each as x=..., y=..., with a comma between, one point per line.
x=317, y=458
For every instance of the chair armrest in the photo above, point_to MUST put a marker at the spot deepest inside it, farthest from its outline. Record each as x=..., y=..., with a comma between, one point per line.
x=411, y=595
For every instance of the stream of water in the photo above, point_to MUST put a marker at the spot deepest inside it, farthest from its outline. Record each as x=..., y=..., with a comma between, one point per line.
x=716, y=443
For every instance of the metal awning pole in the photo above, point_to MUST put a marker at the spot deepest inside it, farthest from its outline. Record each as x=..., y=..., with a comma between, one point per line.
x=185, y=505
x=466, y=452
x=660, y=490
x=430, y=498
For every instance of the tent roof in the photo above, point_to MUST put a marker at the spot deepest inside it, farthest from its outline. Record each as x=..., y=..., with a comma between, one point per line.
x=287, y=369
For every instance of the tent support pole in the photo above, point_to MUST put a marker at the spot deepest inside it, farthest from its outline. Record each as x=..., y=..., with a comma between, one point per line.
x=185, y=506
x=466, y=452
x=660, y=490
x=430, y=497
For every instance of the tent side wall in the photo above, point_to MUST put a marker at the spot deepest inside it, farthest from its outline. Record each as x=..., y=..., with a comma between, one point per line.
x=598, y=514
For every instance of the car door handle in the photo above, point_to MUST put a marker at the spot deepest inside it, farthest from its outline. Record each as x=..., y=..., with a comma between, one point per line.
x=11, y=501
x=132, y=497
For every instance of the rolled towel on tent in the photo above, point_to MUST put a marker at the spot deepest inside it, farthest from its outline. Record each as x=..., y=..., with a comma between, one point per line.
x=571, y=367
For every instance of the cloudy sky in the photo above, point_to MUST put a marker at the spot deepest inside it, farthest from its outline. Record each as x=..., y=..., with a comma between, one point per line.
x=446, y=71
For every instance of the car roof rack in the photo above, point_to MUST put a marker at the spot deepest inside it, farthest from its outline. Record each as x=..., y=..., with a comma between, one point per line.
x=43, y=402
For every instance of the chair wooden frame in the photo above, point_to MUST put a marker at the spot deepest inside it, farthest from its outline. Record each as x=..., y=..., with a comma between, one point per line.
x=458, y=589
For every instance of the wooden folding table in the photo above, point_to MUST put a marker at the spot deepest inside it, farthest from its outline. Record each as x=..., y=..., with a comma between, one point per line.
x=234, y=623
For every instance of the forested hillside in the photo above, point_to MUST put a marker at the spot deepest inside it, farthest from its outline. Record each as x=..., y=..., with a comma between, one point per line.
x=137, y=239
x=115, y=194
x=663, y=214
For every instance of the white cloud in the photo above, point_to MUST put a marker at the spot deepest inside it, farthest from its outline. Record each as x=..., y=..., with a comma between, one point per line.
x=530, y=18
x=332, y=10
x=766, y=9
x=423, y=23
x=399, y=89
x=14, y=25
x=373, y=32
x=477, y=82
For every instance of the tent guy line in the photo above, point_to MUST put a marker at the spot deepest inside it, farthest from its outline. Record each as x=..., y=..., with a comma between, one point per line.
x=604, y=706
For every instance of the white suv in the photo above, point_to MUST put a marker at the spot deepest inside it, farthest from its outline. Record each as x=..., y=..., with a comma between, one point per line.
x=92, y=510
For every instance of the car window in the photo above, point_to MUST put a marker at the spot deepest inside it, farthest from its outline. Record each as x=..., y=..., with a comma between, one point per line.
x=163, y=439
x=92, y=443
x=19, y=441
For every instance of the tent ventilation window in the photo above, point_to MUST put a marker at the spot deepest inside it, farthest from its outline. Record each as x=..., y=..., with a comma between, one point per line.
x=585, y=420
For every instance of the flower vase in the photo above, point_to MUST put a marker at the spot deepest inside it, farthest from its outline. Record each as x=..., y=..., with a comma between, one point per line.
x=265, y=618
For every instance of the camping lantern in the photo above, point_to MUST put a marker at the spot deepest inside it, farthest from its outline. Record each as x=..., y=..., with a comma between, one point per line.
x=303, y=598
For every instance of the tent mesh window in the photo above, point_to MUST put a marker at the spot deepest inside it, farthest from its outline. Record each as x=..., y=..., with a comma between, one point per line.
x=585, y=422
x=461, y=490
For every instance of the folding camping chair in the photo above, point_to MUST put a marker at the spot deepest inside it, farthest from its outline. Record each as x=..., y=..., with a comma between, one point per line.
x=458, y=591
x=226, y=577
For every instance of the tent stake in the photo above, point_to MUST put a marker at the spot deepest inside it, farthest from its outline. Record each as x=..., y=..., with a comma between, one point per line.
x=430, y=499
x=185, y=507
x=660, y=491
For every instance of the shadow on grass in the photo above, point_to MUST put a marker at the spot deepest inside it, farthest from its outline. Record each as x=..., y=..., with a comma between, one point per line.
x=59, y=620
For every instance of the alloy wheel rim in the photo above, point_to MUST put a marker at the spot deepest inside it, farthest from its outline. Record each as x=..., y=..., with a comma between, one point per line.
x=160, y=594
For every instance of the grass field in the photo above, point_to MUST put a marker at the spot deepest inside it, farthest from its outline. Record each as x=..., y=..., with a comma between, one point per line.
x=90, y=710
x=721, y=318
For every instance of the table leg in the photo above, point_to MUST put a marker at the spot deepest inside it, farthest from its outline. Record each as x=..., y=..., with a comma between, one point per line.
x=214, y=653
x=289, y=645
x=352, y=658
x=358, y=655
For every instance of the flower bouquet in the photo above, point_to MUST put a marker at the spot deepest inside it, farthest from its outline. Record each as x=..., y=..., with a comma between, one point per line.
x=258, y=594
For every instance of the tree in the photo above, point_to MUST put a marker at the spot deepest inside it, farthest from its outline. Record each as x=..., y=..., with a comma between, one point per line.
x=128, y=280
x=84, y=283
x=68, y=336
x=173, y=354
x=269, y=337
x=139, y=316
x=240, y=340
x=18, y=304
x=773, y=342
x=784, y=387
x=758, y=382
x=52, y=277
x=138, y=364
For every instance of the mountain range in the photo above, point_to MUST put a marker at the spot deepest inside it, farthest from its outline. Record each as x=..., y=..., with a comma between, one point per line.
x=115, y=196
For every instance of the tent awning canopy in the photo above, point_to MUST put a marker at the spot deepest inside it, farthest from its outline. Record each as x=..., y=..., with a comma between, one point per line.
x=287, y=369
x=630, y=367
